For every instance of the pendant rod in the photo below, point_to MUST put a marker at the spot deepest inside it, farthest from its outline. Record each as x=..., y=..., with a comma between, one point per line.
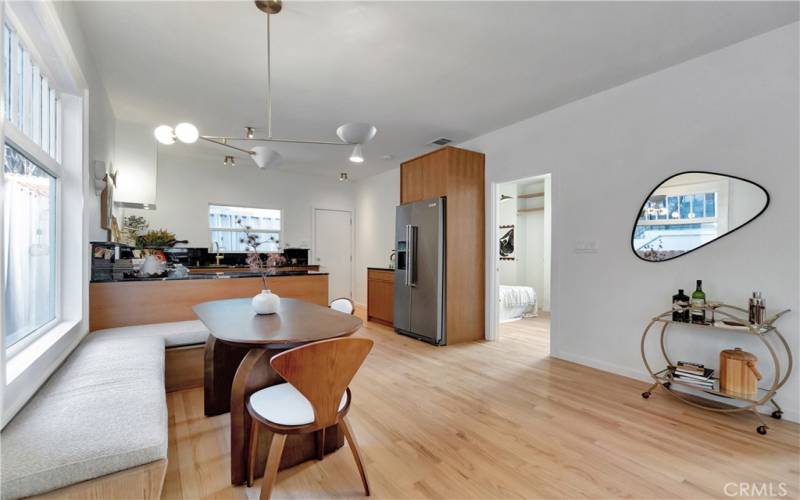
x=269, y=80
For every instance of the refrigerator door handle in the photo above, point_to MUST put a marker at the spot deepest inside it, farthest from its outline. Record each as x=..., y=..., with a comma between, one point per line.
x=409, y=255
x=412, y=246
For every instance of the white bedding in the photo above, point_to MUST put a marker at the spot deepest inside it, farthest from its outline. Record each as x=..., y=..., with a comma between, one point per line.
x=516, y=302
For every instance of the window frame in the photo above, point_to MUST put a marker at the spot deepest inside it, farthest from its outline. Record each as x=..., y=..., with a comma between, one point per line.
x=26, y=145
x=211, y=230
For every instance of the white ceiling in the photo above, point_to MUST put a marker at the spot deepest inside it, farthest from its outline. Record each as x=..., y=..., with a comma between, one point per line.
x=417, y=70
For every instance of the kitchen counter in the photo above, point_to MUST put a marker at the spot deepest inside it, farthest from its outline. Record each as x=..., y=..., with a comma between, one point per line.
x=196, y=275
x=391, y=270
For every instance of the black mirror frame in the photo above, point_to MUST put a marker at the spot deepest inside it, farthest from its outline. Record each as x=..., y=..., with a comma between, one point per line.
x=756, y=216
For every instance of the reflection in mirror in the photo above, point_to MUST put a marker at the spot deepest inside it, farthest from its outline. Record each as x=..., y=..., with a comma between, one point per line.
x=692, y=209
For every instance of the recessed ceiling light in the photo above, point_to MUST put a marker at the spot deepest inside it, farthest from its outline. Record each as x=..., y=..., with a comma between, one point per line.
x=343, y=177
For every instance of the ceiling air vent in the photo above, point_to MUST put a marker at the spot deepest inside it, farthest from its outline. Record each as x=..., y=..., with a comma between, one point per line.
x=441, y=141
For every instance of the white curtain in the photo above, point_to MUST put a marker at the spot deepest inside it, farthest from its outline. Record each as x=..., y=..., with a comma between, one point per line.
x=29, y=260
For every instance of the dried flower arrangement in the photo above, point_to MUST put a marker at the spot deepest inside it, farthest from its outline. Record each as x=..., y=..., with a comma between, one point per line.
x=252, y=242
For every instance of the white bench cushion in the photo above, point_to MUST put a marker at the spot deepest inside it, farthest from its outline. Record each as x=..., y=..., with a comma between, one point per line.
x=175, y=334
x=285, y=405
x=104, y=410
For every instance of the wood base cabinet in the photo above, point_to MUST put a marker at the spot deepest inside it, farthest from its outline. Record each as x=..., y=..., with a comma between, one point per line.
x=457, y=174
x=380, y=296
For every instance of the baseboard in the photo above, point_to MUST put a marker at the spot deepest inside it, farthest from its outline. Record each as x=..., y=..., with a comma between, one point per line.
x=643, y=376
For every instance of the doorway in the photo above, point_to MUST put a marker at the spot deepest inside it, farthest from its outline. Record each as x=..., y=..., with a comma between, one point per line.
x=333, y=250
x=520, y=292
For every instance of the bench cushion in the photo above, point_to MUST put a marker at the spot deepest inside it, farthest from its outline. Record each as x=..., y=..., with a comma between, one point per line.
x=104, y=410
x=175, y=334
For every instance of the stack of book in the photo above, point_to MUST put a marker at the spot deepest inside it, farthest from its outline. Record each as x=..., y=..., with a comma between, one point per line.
x=693, y=374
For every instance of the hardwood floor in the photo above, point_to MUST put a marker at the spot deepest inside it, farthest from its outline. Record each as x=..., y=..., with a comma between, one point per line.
x=500, y=420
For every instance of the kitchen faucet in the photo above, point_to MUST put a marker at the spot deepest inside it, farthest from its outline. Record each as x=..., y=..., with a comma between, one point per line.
x=219, y=256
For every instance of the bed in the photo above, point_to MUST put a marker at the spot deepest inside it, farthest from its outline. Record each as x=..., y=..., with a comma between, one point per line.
x=517, y=302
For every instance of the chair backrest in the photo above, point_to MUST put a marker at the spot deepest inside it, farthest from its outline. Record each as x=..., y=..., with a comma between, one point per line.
x=321, y=371
x=343, y=304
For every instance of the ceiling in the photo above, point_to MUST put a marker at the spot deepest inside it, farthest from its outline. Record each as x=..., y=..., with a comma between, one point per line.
x=417, y=70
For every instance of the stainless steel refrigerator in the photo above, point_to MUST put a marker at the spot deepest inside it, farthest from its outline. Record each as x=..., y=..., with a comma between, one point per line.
x=419, y=286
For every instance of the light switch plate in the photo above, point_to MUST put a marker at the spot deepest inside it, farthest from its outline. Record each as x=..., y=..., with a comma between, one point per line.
x=586, y=246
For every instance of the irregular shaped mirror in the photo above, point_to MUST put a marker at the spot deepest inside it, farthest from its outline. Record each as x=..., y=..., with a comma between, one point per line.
x=692, y=209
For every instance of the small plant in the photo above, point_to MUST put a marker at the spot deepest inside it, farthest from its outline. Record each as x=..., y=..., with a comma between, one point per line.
x=155, y=238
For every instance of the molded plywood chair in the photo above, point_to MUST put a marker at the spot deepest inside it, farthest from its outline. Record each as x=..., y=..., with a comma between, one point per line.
x=343, y=304
x=315, y=397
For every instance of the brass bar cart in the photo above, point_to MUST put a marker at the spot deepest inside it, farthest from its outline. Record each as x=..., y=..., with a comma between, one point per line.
x=726, y=320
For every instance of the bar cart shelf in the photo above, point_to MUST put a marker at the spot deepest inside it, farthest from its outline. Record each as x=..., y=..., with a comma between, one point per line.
x=724, y=321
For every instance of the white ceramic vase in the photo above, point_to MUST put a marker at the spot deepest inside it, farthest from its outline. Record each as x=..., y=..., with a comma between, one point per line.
x=266, y=302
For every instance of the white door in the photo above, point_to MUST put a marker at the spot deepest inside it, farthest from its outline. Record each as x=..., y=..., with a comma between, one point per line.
x=333, y=250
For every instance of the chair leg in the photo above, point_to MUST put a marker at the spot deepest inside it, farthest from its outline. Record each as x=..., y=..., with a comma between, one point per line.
x=344, y=425
x=252, y=451
x=320, y=435
x=273, y=462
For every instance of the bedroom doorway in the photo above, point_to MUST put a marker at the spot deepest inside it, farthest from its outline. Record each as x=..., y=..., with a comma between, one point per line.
x=521, y=284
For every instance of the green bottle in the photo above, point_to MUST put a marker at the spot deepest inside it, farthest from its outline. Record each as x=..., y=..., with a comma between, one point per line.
x=698, y=305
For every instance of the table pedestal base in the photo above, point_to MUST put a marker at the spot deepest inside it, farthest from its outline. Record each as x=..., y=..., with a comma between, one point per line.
x=232, y=374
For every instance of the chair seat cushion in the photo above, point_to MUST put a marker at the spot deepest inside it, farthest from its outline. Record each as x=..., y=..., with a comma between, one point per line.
x=175, y=334
x=284, y=405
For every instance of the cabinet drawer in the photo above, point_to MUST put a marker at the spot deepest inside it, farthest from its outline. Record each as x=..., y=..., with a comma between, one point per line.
x=378, y=275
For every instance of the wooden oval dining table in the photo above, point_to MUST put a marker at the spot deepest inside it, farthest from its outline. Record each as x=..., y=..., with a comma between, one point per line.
x=236, y=365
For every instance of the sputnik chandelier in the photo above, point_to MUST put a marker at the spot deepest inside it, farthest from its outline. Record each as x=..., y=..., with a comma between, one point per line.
x=350, y=134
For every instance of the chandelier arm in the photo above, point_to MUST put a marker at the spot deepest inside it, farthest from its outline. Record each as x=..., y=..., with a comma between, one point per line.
x=218, y=142
x=216, y=139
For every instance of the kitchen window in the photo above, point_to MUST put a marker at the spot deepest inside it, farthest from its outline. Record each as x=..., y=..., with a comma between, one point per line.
x=227, y=235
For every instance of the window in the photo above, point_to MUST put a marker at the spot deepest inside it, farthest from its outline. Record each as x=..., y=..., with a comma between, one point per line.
x=227, y=233
x=31, y=104
x=29, y=227
x=679, y=208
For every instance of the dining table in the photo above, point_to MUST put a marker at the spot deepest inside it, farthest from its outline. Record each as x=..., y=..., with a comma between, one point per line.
x=236, y=365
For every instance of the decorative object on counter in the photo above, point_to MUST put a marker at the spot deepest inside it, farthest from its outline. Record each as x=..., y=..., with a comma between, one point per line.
x=673, y=378
x=738, y=372
x=265, y=302
x=757, y=308
x=133, y=227
x=698, y=304
x=691, y=209
x=152, y=266
x=680, y=306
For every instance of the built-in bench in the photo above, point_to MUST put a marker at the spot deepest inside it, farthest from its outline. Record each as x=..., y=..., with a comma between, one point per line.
x=98, y=427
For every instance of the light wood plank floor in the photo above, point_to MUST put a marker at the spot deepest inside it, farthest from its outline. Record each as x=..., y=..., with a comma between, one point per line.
x=500, y=420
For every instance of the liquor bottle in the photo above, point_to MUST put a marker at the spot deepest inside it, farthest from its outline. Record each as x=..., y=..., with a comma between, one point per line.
x=699, y=304
x=680, y=307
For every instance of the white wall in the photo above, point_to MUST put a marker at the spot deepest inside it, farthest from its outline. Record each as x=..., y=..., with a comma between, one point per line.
x=732, y=111
x=376, y=198
x=135, y=156
x=186, y=186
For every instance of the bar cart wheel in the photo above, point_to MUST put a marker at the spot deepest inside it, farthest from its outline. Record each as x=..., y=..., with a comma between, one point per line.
x=646, y=394
x=762, y=429
x=777, y=414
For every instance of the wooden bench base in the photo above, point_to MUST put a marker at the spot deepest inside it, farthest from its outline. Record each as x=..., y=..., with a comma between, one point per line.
x=145, y=482
x=183, y=367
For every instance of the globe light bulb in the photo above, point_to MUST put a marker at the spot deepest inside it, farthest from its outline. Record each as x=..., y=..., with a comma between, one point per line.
x=164, y=134
x=187, y=133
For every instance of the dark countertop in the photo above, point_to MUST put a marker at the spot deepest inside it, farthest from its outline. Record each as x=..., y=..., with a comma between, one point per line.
x=208, y=276
x=381, y=269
